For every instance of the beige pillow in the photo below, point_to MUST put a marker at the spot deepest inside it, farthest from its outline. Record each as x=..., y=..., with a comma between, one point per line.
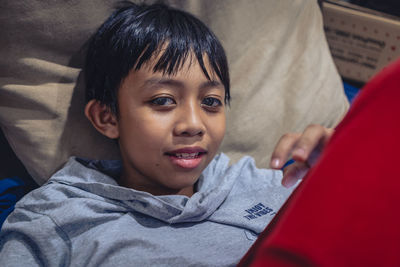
x=283, y=77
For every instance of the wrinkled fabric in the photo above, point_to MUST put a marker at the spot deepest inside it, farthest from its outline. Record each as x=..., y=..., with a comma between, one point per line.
x=345, y=211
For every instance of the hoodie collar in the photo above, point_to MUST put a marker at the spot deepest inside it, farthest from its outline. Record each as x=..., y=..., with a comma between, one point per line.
x=96, y=177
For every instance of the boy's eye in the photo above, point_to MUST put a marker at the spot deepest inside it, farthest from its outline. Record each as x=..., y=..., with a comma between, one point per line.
x=163, y=101
x=211, y=102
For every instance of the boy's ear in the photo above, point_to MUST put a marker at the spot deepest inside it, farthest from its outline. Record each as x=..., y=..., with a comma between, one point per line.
x=102, y=118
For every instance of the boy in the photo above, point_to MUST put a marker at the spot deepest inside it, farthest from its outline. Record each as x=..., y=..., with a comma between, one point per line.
x=157, y=82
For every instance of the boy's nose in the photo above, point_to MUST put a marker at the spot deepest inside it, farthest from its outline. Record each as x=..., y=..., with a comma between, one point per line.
x=190, y=122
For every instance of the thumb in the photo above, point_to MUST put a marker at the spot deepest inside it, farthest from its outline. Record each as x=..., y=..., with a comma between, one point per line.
x=293, y=173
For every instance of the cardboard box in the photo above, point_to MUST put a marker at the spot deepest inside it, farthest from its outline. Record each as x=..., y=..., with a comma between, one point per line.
x=362, y=41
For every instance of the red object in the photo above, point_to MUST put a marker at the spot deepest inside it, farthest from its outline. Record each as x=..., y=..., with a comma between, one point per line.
x=346, y=211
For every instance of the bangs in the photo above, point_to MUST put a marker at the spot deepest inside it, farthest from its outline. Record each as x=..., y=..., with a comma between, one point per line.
x=169, y=61
x=172, y=36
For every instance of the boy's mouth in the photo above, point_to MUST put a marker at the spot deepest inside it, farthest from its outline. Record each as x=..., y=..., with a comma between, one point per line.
x=187, y=158
x=187, y=152
x=186, y=155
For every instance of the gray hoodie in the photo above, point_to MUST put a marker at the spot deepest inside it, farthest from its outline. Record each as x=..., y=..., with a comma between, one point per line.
x=82, y=217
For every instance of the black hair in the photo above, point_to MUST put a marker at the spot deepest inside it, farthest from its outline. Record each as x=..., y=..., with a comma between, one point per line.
x=134, y=33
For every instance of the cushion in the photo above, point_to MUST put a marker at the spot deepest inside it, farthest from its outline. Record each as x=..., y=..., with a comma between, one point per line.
x=283, y=77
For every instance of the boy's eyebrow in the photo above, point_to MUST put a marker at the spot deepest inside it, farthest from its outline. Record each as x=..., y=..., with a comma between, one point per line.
x=162, y=81
x=179, y=84
x=212, y=83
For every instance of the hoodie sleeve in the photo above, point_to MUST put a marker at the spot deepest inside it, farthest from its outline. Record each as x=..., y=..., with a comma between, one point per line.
x=31, y=239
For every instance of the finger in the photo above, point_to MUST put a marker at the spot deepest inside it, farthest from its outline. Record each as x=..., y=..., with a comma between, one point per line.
x=293, y=173
x=283, y=150
x=314, y=137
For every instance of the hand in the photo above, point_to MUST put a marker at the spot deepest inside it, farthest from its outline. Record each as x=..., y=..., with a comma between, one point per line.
x=305, y=148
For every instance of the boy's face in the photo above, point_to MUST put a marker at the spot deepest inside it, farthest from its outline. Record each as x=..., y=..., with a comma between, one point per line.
x=169, y=127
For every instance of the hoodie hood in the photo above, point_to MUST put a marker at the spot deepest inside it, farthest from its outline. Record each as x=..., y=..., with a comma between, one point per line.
x=100, y=177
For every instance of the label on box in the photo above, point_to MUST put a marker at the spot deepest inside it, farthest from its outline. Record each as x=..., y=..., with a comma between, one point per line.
x=361, y=43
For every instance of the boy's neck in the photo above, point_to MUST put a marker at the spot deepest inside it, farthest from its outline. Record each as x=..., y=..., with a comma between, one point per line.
x=155, y=190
